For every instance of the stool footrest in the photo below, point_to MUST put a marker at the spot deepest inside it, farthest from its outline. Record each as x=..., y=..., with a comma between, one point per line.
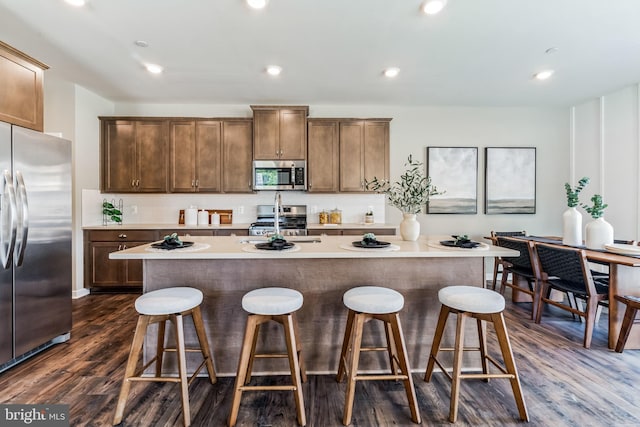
x=267, y=387
x=155, y=379
x=485, y=376
x=373, y=377
x=271, y=356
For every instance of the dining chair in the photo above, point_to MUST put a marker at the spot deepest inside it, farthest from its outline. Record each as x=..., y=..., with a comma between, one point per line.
x=567, y=270
x=497, y=263
x=633, y=304
x=524, y=267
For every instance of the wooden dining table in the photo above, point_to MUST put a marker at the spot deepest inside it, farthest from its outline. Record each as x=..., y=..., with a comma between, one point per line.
x=624, y=279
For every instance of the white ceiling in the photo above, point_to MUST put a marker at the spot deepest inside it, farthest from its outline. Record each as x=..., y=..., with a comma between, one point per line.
x=475, y=53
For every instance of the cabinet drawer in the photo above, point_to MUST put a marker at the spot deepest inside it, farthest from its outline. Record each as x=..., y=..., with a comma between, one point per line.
x=122, y=235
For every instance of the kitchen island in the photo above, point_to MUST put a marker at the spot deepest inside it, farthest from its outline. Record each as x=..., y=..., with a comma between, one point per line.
x=322, y=268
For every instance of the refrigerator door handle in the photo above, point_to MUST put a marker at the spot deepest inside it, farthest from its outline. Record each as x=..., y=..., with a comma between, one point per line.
x=6, y=247
x=24, y=214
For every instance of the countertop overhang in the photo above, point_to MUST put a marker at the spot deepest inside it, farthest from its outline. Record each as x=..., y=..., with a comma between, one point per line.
x=233, y=247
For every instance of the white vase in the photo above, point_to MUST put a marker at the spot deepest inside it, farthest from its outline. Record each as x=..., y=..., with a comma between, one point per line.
x=598, y=233
x=572, y=227
x=409, y=227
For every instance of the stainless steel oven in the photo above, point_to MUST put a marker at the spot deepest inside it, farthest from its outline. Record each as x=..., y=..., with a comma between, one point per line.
x=279, y=175
x=292, y=221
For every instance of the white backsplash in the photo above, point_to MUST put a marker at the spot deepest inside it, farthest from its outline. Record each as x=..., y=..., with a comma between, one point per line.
x=164, y=208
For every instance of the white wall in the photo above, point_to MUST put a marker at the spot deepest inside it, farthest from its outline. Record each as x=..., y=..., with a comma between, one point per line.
x=605, y=149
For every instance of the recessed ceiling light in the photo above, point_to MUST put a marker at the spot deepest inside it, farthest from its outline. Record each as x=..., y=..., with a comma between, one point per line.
x=551, y=50
x=257, y=4
x=543, y=75
x=431, y=7
x=392, y=72
x=141, y=43
x=154, y=68
x=274, y=70
x=77, y=3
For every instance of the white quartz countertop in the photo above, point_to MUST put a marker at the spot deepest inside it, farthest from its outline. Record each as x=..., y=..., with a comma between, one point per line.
x=176, y=227
x=306, y=247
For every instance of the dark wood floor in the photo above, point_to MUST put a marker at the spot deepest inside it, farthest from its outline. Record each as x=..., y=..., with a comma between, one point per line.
x=564, y=384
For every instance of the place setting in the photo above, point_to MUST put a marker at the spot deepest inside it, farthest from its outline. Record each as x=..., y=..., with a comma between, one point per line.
x=173, y=242
x=369, y=242
x=275, y=244
x=459, y=242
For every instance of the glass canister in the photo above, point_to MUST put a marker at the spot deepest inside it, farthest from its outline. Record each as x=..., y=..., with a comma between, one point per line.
x=335, y=217
x=323, y=217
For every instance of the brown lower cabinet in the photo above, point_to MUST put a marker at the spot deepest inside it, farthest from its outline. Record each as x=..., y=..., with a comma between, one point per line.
x=102, y=274
x=351, y=231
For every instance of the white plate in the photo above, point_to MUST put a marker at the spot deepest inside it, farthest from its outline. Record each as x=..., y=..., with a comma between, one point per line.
x=620, y=248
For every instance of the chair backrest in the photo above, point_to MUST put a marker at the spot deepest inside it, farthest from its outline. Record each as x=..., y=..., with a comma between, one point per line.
x=508, y=233
x=523, y=261
x=569, y=265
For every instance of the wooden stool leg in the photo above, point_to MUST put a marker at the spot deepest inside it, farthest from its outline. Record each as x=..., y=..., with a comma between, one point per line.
x=345, y=346
x=252, y=356
x=243, y=363
x=437, y=338
x=507, y=354
x=204, y=343
x=182, y=367
x=482, y=338
x=457, y=366
x=294, y=365
x=296, y=329
x=496, y=263
x=353, y=366
x=134, y=355
x=401, y=350
x=627, y=322
x=160, y=347
x=391, y=347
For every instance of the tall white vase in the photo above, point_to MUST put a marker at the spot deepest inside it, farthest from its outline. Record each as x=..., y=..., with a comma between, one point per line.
x=598, y=233
x=572, y=227
x=409, y=227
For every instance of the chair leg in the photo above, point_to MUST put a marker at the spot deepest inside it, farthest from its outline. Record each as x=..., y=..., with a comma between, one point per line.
x=134, y=355
x=437, y=338
x=182, y=367
x=252, y=356
x=627, y=322
x=294, y=365
x=457, y=367
x=391, y=347
x=496, y=263
x=296, y=329
x=160, y=347
x=510, y=365
x=204, y=343
x=243, y=363
x=401, y=350
x=590, y=321
x=353, y=367
x=544, y=291
x=345, y=346
x=482, y=338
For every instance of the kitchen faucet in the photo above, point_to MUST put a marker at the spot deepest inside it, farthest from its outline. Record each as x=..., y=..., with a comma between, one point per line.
x=277, y=204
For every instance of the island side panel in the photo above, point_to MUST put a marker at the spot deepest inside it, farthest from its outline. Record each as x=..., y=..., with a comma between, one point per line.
x=322, y=317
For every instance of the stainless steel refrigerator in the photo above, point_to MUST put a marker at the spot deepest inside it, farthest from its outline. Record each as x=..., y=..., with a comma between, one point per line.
x=35, y=242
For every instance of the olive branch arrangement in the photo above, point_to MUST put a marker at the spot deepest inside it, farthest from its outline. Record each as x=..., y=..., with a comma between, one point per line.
x=572, y=194
x=597, y=210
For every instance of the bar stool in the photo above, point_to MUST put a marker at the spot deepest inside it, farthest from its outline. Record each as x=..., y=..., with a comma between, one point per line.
x=264, y=305
x=366, y=303
x=481, y=304
x=158, y=307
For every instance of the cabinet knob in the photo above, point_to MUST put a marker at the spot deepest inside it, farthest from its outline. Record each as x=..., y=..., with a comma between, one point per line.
x=122, y=236
x=197, y=183
x=137, y=183
x=133, y=182
x=119, y=247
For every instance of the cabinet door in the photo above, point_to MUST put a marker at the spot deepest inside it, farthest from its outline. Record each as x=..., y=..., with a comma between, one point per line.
x=132, y=275
x=376, y=150
x=151, y=153
x=293, y=134
x=351, y=156
x=182, y=157
x=323, y=161
x=236, y=157
x=266, y=128
x=208, y=154
x=105, y=271
x=118, y=156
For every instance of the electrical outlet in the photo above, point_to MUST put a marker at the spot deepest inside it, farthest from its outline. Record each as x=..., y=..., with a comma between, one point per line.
x=240, y=210
x=134, y=209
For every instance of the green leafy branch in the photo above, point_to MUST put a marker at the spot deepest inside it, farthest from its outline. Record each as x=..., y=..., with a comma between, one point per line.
x=112, y=212
x=572, y=194
x=597, y=210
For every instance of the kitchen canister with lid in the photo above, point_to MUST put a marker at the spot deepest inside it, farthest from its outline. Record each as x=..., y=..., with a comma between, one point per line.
x=191, y=216
x=203, y=217
x=215, y=218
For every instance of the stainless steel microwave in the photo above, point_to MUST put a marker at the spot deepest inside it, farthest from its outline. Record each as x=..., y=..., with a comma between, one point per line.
x=279, y=175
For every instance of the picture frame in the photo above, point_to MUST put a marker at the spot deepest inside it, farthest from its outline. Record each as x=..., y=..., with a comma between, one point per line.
x=510, y=180
x=453, y=170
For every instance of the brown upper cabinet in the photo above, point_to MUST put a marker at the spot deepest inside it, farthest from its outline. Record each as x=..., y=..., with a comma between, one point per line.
x=21, y=98
x=280, y=132
x=323, y=156
x=237, y=146
x=195, y=156
x=134, y=155
x=364, y=152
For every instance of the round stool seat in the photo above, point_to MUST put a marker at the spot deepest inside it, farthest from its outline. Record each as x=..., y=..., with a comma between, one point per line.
x=168, y=301
x=471, y=299
x=373, y=300
x=272, y=301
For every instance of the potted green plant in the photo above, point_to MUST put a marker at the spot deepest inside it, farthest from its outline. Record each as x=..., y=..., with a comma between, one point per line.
x=598, y=232
x=571, y=218
x=410, y=195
